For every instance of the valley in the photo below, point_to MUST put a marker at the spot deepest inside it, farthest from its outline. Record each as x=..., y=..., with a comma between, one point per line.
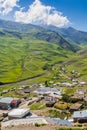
x=45, y=70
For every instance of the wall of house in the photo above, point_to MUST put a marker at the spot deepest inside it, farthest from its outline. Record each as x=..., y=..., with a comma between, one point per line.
x=4, y=106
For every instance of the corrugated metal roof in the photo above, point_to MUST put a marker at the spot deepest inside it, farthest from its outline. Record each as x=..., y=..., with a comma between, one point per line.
x=80, y=114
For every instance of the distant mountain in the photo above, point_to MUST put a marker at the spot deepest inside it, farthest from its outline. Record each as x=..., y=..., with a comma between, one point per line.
x=77, y=36
x=20, y=30
x=70, y=34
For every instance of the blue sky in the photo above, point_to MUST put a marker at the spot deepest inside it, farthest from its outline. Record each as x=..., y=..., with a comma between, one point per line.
x=73, y=12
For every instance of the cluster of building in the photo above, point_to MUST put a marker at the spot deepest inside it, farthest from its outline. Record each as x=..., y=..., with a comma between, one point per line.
x=24, y=116
x=49, y=93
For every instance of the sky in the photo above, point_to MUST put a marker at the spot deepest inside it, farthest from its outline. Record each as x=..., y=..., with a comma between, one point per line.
x=59, y=13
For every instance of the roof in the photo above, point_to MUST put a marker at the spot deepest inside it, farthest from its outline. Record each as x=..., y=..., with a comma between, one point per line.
x=6, y=100
x=39, y=120
x=18, y=112
x=14, y=100
x=27, y=91
x=80, y=114
x=43, y=90
x=62, y=122
x=77, y=96
x=76, y=106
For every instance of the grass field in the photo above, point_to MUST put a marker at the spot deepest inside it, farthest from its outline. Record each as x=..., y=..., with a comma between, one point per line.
x=23, y=57
x=38, y=106
x=27, y=58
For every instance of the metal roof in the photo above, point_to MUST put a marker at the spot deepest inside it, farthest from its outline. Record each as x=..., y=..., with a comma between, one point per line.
x=62, y=122
x=19, y=112
x=7, y=100
x=43, y=90
x=80, y=114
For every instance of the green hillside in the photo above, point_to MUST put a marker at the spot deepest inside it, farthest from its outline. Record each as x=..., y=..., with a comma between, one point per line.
x=28, y=51
x=27, y=57
x=20, y=30
x=78, y=64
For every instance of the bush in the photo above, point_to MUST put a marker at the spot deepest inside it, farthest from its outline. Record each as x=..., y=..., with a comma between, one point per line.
x=47, y=67
x=65, y=98
x=38, y=125
x=57, y=114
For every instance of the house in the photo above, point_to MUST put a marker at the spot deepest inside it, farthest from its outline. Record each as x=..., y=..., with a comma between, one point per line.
x=75, y=107
x=9, y=102
x=80, y=116
x=77, y=97
x=18, y=113
x=49, y=98
x=15, y=102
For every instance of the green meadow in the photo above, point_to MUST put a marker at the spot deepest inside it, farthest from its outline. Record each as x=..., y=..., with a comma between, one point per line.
x=27, y=58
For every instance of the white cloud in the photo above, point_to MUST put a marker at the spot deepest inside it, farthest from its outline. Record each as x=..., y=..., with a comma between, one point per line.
x=7, y=6
x=41, y=14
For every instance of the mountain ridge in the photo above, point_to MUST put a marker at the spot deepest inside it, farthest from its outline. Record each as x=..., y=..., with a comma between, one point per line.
x=17, y=29
x=70, y=34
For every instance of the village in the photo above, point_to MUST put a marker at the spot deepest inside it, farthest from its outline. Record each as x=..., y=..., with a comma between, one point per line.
x=39, y=104
x=62, y=103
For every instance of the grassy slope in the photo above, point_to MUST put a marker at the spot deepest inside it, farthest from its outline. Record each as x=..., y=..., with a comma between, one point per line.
x=22, y=59
x=78, y=63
